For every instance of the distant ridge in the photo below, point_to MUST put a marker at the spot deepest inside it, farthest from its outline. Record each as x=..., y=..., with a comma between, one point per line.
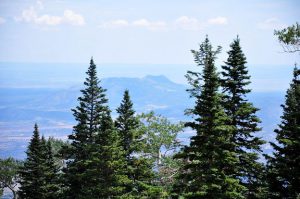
x=51, y=108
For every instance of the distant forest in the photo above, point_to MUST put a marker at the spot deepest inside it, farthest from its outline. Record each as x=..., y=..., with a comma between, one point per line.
x=140, y=156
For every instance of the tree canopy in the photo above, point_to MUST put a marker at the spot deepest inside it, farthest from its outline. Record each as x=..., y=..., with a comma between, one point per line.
x=289, y=37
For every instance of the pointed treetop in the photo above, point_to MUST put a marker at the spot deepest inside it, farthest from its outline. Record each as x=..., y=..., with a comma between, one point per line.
x=92, y=61
x=205, y=52
x=235, y=43
x=36, y=133
x=36, y=128
x=126, y=93
x=43, y=139
x=296, y=71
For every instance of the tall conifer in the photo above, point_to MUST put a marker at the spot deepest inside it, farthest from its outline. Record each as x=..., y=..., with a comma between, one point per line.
x=95, y=155
x=284, y=166
x=32, y=178
x=209, y=159
x=127, y=125
x=138, y=168
x=51, y=187
x=235, y=79
x=39, y=174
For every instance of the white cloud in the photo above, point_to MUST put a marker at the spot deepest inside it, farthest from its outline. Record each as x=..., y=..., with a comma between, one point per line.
x=119, y=23
x=218, y=21
x=192, y=23
x=48, y=20
x=271, y=24
x=140, y=23
x=2, y=20
x=72, y=18
x=27, y=15
x=151, y=25
x=188, y=23
x=31, y=15
x=183, y=22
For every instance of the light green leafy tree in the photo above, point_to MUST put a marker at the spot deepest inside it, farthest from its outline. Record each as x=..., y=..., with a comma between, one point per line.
x=9, y=175
x=289, y=38
x=161, y=142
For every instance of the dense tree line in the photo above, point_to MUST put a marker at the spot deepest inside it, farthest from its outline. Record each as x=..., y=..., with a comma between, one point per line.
x=140, y=156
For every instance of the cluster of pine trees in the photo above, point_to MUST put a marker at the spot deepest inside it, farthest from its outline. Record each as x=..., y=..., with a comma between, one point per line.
x=39, y=174
x=105, y=158
x=110, y=158
x=222, y=160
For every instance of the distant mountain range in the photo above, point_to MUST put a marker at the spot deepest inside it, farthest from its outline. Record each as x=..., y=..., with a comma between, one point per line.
x=51, y=108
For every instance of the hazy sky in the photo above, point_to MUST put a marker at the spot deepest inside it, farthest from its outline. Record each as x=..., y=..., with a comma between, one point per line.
x=140, y=31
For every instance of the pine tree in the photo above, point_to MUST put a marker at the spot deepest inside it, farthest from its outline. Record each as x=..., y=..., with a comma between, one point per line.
x=243, y=119
x=50, y=171
x=109, y=179
x=39, y=178
x=209, y=158
x=32, y=176
x=284, y=167
x=95, y=157
x=138, y=168
x=127, y=125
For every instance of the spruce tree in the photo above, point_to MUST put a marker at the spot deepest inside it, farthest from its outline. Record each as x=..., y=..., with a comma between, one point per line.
x=209, y=159
x=39, y=174
x=235, y=79
x=138, y=168
x=95, y=157
x=127, y=125
x=31, y=173
x=50, y=170
x=284, y=166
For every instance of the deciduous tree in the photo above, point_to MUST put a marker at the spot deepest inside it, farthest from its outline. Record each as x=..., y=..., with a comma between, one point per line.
x=9, y=175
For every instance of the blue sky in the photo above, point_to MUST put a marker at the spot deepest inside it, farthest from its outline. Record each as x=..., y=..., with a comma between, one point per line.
x=140, y=31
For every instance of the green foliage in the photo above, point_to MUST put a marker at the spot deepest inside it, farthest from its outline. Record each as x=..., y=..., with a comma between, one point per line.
x=57, y=145
x=246, y=145
x=138, y=167
x=110, y=165
x=127, y=125
x=95, y=165
x=31, y=173
x=160, y=136
x=51, y=187
x=283, y=167
x=289, y=38
x=209, y=160
x=9, y=175
x=38, y=175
